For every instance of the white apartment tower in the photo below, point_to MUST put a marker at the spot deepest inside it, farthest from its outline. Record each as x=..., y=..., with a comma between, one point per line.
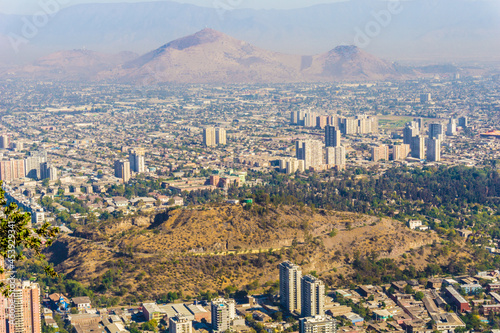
x=209, y=137
x=290, y=286
x=313, y=296
x=180, y=324
x=311, y=151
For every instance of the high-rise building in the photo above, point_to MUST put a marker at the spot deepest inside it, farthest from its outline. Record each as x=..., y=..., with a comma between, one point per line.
x=313, y=296
x=451, y=130
x=310, y=119
x=463, y=122
x=48, y=171
x=223, y=312
x=27, y=318
x=297, y=118
x=436, y=131
x=399, y=152
x=209, y=137
x=410, y=130
x=180, y=324
x=321, y=121
x=332, y=136
x=317, y=324
x=290, y=286
x=420, y=123
x=380, y=153
x=4, y=141
x=434, y=150
x=136, y=159
x=418, y=147
x=336, y=156
x=12, y=169
x=311, y=151
x=122, y=170
x=425, y=98
x=33, y=164
x=220, y=136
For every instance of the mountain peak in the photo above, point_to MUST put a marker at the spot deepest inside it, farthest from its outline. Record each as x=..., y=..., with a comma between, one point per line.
x=346, y=50
x=204, y=36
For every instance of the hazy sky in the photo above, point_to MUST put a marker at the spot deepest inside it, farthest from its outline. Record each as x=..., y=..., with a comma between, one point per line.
x=31, y=6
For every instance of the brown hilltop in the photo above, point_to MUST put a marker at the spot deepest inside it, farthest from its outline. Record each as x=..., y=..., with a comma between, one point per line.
x=215, y=246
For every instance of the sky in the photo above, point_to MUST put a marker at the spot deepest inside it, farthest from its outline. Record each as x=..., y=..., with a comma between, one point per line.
x=32, y=6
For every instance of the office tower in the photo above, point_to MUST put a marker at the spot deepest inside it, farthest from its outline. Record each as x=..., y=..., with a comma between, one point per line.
x=321, y=121
x=27, y=317
x=336, y=156
x=434, y=150
x=436, y=131
x=33, y=164
x=136, y=159
x=290, y=286
x=317, y=324
x=223, y=311
x=122, y=170
x=399, y=152
x=313, y=296
x=332, y=136
x=220, y=136
x=311, y=151
x=425, y=98
x=410, y=130
x=209, y=136
x=452, y=127
x=180, y=324
x=4, y=141
x=463, y=122
x=418, y=147
x=380, y=153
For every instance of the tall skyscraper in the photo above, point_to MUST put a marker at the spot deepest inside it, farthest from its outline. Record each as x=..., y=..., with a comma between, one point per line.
x=223, y=312
x=220, y=136
x=313, y=296
x=336, y=156
x=418, y=147
x=209, y=137
x=317, y=324
x=463, y=122
x=410, y=130
x=434, y=150
x=380, y=153
x=136, y=159
x=290, y=286
x=122, y=170
x=33, y=164
x=332, y=136
x=311, y=151
x=436, y=131
x=180, y=324
x=48, y=171
x=4, y=141
x=321, y=121
x=451, y=130
x=27, y=318
x=310, y=119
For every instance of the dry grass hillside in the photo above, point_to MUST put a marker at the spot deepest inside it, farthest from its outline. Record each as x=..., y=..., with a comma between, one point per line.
x=224, y=245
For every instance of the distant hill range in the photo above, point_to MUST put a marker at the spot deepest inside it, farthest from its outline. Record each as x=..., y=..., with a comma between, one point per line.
x=210, y=56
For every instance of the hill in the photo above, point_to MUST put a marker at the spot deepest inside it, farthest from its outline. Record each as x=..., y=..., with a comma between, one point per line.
x=219, y=246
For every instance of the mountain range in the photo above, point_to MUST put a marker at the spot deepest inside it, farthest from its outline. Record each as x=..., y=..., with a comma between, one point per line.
x=209, y=56
x=423, y=30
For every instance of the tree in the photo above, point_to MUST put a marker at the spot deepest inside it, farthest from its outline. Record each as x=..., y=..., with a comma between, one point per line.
x=419, y=295
x=16, y=235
